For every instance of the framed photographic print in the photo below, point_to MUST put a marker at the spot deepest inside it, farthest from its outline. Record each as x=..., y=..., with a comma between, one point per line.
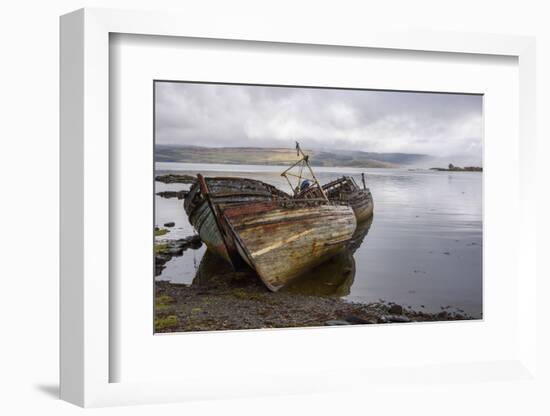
x=292, y=202
x=250, y=234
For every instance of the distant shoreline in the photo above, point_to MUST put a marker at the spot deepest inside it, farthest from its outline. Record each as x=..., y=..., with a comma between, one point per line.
x=277, y=156
x=168, y=169
x=452, y=168
x=284, y=166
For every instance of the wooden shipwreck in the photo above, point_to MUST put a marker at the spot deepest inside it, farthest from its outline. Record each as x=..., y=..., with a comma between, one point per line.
x=346, y=190
x=280, y=236
x=250, y=222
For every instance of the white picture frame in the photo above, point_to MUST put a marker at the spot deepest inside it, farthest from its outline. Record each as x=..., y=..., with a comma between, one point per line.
x=85, y=182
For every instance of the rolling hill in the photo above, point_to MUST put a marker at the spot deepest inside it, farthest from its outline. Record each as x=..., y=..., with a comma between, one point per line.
x=279, y=156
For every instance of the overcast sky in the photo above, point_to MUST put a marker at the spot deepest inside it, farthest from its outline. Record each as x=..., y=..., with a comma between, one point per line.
x=447, y=126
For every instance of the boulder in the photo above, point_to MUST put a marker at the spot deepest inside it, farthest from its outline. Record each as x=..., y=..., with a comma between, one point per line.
x=398, y=318
x=356, y=320
x=175, y=178
x=336, y=322
x=396, y=309
x=173, y=194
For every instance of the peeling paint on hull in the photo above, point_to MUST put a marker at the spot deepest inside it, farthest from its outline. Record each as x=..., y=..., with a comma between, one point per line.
x=282, y=240
x=362, y=204
x=345, y=190
x=205, y=223
x=203, y=208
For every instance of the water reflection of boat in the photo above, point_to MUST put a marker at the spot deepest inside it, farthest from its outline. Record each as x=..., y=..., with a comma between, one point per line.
x=359, y=235
x=336, y=276
x=212, y=271
x=245, y=220
x=332, y=278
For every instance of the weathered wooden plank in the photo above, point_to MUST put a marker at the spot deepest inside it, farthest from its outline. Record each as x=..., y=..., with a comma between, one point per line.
x=205, y=197
x=294, y=239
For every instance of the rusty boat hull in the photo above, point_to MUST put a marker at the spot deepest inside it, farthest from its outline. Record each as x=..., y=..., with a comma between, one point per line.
x=361, y=202
x=281, y=240
x=206, y=196
x=346, y=191
x=250, y=222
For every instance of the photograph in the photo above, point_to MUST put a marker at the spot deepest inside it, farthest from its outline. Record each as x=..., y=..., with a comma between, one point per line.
x=282, y=206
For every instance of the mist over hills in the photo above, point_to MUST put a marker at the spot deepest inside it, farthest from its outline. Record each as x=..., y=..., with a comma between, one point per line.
x=281, y=156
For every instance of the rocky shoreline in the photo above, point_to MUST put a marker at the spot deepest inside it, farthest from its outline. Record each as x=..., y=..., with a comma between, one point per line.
x=221, y=299
x=166, y=249
x=452, y=168
x=175, y=178
x=173, y=194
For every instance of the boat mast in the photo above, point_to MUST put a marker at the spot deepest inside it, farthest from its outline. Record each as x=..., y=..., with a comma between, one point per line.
x=303, y=162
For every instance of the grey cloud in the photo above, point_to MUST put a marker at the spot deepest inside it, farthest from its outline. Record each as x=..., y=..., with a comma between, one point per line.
x=440, y=125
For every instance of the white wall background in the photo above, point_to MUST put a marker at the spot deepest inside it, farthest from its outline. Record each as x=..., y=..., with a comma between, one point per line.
x=29, y=205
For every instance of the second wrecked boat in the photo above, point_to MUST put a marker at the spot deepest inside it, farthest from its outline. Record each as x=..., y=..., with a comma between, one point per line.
x=280, y=237
x=343, y=190
x=346, y=190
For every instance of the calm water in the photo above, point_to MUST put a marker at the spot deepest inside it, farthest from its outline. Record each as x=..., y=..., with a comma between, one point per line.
x=423, y=247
